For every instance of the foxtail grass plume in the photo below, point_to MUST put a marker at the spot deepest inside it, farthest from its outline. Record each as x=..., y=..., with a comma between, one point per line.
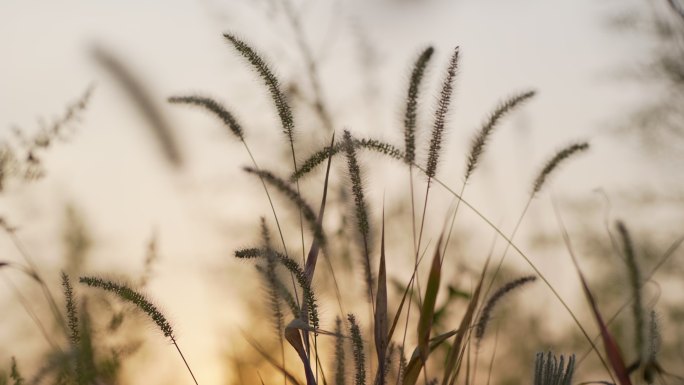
x=272, y=279
x=554, y=162
x=441, y=116
x=486, y=314
x=72, y=315
x=214, y=107
x=361, y=208
x=480, y=140
x=127, y=294
x=321, y=156
x=272, y=83
x=635, y=285
x=411, y=114
x=357, y=348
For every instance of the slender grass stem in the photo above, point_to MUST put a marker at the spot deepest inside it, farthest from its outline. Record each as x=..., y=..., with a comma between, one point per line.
x=529, y=262
x=32, y=314
x=173, y=340
x=35, y=274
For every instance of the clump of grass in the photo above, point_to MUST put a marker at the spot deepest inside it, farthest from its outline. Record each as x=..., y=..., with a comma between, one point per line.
x=549, y=370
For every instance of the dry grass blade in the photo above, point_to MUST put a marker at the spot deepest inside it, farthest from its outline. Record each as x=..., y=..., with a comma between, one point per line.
x=294, y=337
x=214, y=107
x=480, y=140
x=410, y=115
x=145, y=102
x=312, y=257
x=427, y=313
x=380, y=324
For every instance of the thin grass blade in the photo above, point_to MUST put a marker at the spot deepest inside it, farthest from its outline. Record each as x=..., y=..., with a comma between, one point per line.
x=381, y=311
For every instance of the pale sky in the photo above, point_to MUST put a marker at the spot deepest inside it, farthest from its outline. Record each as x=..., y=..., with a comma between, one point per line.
x=112, y=170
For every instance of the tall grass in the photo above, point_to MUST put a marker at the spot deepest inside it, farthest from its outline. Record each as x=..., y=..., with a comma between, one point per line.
x=427, y=352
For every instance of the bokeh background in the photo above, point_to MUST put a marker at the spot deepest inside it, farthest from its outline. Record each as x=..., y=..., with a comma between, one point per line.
x=605, y=71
